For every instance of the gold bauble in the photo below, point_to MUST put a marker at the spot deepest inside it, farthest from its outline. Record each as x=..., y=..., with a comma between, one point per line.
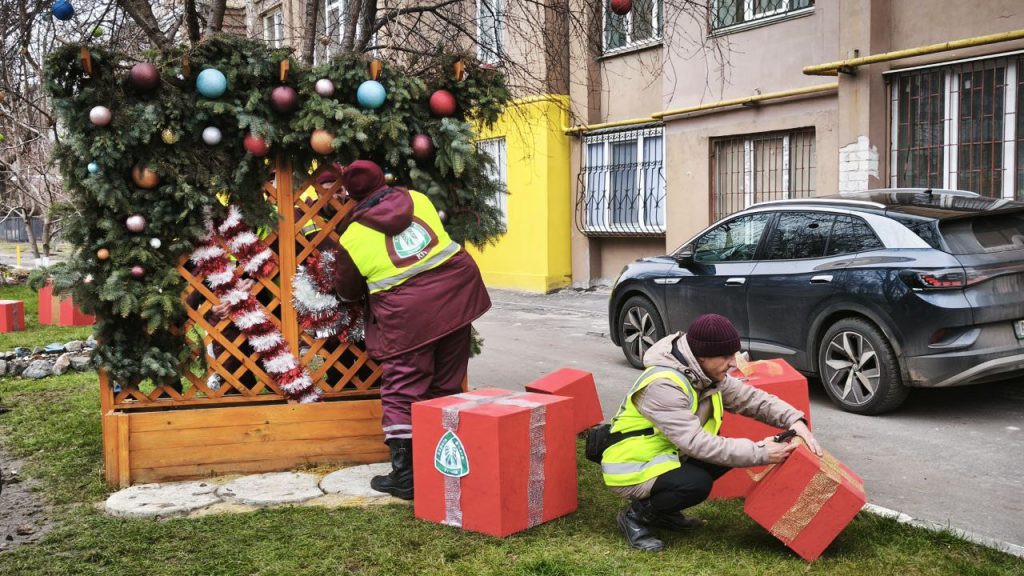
x=321, y=140
x=102, y=254
x=144, y=177
x=169, y=136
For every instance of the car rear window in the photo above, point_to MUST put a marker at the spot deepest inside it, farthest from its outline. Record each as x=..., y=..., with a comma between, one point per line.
x=926, y=230
x=984, y=233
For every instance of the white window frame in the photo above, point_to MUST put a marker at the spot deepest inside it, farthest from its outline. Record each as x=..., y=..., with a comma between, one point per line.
x=951, y=121
x=630, y=44
x=497, y=150
x=341, y=7
x=754, y=18
x=490, y=53
x=606, y=224
x=273, y=27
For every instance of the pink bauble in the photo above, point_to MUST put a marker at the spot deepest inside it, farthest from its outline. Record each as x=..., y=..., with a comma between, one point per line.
x=136, y=223
x=255, y=145
x=324, y=87
x=442, y=103
x=138, y=271
x=622, y=7
x=145, y=76
x=284, y=99
x=422, y=147
x=100, y=115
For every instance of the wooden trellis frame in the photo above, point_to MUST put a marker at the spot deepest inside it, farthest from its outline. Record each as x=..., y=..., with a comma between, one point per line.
x=188, y=429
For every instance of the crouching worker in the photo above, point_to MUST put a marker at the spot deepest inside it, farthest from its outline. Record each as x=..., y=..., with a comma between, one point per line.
x=666, y=451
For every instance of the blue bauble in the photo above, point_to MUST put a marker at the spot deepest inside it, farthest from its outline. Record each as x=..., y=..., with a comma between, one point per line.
x=211, y=83
x=371, y=94
x=63, y=10
x=94, y=168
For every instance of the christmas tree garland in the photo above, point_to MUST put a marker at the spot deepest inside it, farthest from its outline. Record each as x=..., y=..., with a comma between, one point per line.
x=321, y=313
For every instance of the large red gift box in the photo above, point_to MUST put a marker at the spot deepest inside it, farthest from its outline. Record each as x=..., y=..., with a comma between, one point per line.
x=494, y=461
x=780, y=379
x=12, y=315
x=578, y=385
x=806, y=501
x=61, y=311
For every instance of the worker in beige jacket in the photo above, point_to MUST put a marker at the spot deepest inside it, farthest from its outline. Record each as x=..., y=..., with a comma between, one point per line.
x=665, y=451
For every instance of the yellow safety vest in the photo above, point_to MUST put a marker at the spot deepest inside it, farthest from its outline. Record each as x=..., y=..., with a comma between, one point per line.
x=389, y=261
x=637, y=459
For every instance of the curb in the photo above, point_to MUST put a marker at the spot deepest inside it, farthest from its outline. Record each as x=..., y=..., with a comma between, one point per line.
x=1012, y=549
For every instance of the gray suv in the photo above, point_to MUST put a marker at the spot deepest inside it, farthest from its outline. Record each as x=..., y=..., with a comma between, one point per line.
x=874, y=293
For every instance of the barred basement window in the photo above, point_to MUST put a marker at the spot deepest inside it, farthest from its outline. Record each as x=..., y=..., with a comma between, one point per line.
x=725, y=13
x=623, y=184
x=760, y=167
x=639, y=27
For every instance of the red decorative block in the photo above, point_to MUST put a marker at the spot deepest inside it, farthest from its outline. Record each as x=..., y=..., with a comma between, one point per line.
x=509, y=460
x=61, y=311
x=806, y=501
x=46, y=304
x=70, y=315
x=578, y=385
x=12, y=315
x=780, y=379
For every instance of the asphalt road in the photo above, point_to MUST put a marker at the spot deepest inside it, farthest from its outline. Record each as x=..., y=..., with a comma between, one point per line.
x=953, y=457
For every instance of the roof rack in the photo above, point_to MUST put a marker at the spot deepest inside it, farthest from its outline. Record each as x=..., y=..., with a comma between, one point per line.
x=822, y=200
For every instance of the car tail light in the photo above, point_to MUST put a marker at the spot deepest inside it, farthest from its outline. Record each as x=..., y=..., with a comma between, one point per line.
x=947, y=279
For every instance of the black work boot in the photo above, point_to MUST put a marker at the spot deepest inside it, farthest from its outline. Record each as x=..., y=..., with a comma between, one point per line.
x=633, y=521
x=676, y=521
x=398, y=482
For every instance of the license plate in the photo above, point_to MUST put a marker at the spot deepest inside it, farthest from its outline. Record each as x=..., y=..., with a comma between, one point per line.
x=1018, y=329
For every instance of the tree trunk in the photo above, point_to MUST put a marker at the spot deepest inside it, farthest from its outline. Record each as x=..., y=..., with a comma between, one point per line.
x=367, y=17
x=32, y=240
x=348, y=39
x=142, y=13
x=192, y=22
x=216, y=21
x=309, y=26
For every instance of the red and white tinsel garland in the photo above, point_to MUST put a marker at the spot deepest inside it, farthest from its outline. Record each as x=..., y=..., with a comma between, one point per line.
x=244, y=310
x=320, y=313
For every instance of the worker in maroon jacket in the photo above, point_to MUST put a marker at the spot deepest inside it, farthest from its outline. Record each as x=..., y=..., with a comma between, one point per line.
x=424, y=291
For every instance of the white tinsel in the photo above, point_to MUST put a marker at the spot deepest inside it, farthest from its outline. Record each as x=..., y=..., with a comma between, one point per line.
x=204, y=253
x=233, y=219
x=300, y=383
x=242, y=239
x=234, y=297
x=213, y=382
x=313, y=395
x=266, y=341
x=250, y=319
x=283, y=362
x=256, y=261
x=306, y=295
x=220, y=278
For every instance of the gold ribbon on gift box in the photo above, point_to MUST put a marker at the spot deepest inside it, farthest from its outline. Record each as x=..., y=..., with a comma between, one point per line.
x=816, y=493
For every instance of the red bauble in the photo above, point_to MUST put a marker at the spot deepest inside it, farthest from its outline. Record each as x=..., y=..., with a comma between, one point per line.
x=138, y=271
x=284, y=99
x=622, y=7
x=422, y=147
x=255, y=145
x=442, y=103
x=145, y=76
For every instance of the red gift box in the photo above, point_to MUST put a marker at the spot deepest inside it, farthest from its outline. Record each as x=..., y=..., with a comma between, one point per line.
x=806, y=501
x=12, y=315
x=60, y=312
x=494, y=461
x=70, y=315
x=46, y=304
x=578, y=385
x=775, y=377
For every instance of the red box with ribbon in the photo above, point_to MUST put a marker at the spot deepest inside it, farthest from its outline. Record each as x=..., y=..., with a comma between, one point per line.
x=61, y=311
x=578, y=385
x=494, y=461
x=806, y=501
x=12, y=315
x=779, y=379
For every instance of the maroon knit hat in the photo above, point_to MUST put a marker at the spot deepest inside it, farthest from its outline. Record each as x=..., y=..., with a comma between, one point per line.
x=362, y=178
x=712, y=335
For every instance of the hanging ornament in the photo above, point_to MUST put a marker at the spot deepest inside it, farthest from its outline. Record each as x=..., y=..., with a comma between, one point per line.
x=212, y=135
x=94, y=168
x=255, y=145
x=284, y=99
x=100, y=115
x=322, y=141
x=324, y=87
x=211, y=83
x=138, y=271
x=371, y=94
x=136, y=223
x=442, y=103
x=389, y=178
x=621, y=7
x=459, y=70
x=144, y=177
x=442, y=215
x=63, y=10
x=422, y=147
x=145, y=76
x=155, y=243
x=102, y=254
x=97, y=32
x=169, y=136
x=88, y=279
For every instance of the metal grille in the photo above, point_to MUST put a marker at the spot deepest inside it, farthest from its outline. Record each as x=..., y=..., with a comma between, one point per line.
x=957, y=127
x=621, y=189
x=638, y=27
x=733, y=12
x=756, y=168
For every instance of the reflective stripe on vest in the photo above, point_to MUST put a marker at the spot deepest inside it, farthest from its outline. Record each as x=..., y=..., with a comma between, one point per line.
x=639, y=458
x=388, y=261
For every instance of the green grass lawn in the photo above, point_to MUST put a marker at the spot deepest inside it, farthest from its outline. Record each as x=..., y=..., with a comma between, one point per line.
x=35, y=334
x=54, y=424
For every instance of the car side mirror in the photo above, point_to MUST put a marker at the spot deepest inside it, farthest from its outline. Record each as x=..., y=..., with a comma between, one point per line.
x=684, y=258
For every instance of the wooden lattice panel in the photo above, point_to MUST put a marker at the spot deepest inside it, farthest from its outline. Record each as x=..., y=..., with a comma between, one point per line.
x=338, y=369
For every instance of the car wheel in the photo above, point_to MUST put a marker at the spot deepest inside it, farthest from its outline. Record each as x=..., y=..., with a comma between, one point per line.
x=640, y=327
x=859, y=369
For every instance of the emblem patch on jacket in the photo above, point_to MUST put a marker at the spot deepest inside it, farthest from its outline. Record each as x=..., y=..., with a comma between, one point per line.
x=412, y=244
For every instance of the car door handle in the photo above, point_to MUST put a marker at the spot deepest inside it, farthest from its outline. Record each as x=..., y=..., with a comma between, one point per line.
x=735, y=281
x=823, y=279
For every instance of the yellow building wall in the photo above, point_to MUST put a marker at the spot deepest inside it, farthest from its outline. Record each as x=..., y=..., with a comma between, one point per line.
x=533, y=254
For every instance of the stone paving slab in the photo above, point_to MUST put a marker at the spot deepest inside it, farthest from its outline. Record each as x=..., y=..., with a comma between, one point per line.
x=355, y=481
x=161, y=500
x=271, y=489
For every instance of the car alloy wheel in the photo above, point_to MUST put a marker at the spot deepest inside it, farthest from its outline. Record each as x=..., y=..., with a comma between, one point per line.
x=852, y=370
x=639, y=328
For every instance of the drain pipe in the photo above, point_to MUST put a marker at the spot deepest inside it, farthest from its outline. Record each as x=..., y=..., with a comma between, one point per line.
x=749, y=100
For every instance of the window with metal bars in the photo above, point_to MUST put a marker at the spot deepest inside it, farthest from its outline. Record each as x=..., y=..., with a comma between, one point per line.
x=623, y=184
x=726, y=13
x=639, y=27
x=756, y=168
x=959, y=126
